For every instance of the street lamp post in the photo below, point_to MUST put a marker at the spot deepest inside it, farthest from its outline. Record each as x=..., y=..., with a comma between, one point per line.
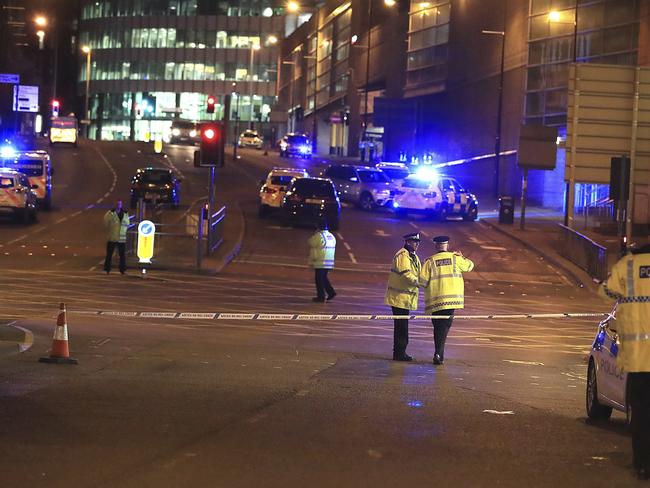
x=88, y=51
x=254, y=47
x=42, y=22
x=497, y=136
x=556, y=17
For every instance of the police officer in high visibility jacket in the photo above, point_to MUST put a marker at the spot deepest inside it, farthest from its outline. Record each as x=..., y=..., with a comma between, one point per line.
x=402, y=292
x=322, y=248
x=444, y=290
x=116, y=222
x=629, y=285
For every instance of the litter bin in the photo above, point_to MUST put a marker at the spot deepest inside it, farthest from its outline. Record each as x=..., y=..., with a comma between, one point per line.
x=506, y=210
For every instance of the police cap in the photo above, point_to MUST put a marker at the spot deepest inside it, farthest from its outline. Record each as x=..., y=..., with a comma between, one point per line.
x=440, y=239
x=413, y=236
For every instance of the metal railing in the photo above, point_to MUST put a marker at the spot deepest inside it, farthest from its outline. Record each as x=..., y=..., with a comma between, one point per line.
x=584, y=252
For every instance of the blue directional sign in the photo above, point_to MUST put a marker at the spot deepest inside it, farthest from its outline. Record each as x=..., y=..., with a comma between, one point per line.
x=9, y=78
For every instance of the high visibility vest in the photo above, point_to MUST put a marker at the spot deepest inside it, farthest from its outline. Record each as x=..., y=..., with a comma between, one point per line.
x=322, y=247
x=629, y=285
x=402, y=290
x=442, y=279
x=116, y=228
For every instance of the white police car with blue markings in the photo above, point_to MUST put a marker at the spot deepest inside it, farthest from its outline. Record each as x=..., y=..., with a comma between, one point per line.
x=274, y=187
x=435, y=195
x=606, y=382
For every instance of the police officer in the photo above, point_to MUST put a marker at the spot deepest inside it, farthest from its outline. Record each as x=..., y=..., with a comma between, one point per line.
x=402, y=292
x=116, y=222
x=322, y=248
x=444, y=290
x=629, y=285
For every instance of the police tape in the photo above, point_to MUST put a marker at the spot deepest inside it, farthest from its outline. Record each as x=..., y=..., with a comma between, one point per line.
x=326, y=317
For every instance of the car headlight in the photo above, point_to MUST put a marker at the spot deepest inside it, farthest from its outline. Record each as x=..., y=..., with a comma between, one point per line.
x=176, y=132
x=192, y=133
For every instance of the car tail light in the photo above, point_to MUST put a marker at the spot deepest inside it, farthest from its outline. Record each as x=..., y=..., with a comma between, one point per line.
x=429, y=194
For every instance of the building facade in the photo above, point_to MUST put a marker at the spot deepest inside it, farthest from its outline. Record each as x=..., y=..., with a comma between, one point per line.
x=454, y=96
x=155, y=61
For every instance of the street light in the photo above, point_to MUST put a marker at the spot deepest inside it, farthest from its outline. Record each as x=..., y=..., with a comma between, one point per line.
x=497, y=136
x=556, y=17
x=388, y=3
x=88, y=51
x=40, y=21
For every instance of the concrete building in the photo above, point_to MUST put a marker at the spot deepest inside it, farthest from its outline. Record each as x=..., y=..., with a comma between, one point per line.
x=445, y=107
x=155, y=61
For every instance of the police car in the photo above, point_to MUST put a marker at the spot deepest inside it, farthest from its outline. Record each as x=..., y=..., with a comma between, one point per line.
x=435, y=195
x=17, y=195
x=275, y=186
x=250, y=138
x=397, y=172
x=606, y=382
x=37, y=166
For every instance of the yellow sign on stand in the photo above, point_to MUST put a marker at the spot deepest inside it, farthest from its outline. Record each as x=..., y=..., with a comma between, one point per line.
x=146, y=233
x=157, y=146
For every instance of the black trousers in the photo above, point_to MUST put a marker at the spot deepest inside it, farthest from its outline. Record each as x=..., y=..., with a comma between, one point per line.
x=400, y=331
x=640, y=403
x=323, y=284
x=440, y=330
x=110, y=249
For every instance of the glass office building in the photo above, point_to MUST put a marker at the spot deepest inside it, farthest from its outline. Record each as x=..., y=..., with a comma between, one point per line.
x=152, y=61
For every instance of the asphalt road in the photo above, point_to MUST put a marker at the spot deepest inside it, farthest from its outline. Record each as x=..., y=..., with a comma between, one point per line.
x=203, y=402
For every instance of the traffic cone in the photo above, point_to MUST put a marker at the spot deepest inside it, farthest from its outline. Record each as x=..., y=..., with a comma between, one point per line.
x=60, y=353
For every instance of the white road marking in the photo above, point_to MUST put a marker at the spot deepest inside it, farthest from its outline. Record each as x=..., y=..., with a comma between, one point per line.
x=494, y=248
x=381, y=233
x=347, y=246
x=17, y=239
x=499, y=412
x=352, y=258
x=529, y=363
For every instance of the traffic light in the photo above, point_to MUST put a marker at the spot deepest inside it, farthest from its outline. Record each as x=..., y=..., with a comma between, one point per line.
x=211, y=102
x=55, y=108
x=212, y=145
x=148, y=106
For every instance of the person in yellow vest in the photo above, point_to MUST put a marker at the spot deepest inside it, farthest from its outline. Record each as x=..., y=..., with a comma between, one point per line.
x=322, y=248
x=402, y=292
x=444, y=290
x=116, y=222
x=629, y=285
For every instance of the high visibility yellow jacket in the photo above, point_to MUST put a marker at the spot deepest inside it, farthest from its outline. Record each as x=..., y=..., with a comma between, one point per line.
x=442, y=279
x=402, y=290
x=322, y=248
x=116, y=228
x=629, y=285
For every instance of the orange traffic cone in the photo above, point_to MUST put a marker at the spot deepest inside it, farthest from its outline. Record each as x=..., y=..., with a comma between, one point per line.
x=60, y=352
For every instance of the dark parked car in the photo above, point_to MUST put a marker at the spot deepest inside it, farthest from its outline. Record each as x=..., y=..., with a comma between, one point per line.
x=310, y=200
x=158, y=185
x=297, y=145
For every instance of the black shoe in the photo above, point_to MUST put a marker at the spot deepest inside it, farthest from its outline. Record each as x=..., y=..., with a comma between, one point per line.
x=643, y=473
x=331, y=297
x=437, y=360
x=319, y=300
x=402, y=357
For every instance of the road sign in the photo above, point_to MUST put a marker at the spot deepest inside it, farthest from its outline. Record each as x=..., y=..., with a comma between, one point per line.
x=25, y=98
x=146, y=233
x=9, y=78
x=537, y=147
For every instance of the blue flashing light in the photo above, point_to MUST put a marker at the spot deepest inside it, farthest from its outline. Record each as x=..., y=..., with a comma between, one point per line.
x=395, y=204
x=613, y=349
x=304, y=149
x=7, y=152
x=426, y=173
x=415, y=403
x=600, y=339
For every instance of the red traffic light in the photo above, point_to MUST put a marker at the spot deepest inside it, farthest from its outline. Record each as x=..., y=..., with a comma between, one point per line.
x=211, y=102
x=209, y=133
x=55, y=103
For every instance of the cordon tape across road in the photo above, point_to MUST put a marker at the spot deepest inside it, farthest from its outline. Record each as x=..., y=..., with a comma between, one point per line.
x=324, y=317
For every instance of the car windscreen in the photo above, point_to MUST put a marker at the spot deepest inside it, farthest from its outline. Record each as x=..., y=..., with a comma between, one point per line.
x=183, y=125
x=368, y=176
x=29, y=167
x=281, y=180
x=417, y=183
x=314, y=188
x=156, y=177
x=297, y=140
x=249, y=134
x=395, y=174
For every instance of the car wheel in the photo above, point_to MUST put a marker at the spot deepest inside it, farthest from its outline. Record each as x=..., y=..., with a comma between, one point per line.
x=443, y=213
x=595, y=410
x=263, y=211
x=366, y=202
x=471, y=215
